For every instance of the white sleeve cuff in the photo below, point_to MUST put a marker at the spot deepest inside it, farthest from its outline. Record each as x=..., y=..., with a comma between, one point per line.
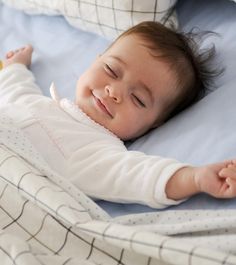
x=13, y=67
x=160, y=194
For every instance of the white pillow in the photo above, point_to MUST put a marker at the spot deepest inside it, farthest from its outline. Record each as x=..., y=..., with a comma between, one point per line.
x=105, y=17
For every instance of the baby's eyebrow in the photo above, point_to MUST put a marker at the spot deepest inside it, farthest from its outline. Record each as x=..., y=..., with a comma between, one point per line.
x=117, y=58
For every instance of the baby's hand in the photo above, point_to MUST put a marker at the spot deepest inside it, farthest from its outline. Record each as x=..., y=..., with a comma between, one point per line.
x=218, y=180
x=22, y=56
x=229, y=174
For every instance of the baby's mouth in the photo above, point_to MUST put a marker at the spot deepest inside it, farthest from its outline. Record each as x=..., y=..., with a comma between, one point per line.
x=102, y=106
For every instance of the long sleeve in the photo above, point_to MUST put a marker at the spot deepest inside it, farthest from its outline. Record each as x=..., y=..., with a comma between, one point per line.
x=115, y=174
x=17, y=84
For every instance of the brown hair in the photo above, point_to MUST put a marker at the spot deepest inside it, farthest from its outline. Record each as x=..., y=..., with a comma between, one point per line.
x=181, y=51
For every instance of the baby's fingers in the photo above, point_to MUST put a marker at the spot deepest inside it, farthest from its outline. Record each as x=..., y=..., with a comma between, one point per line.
x=228, y=172
x=9, y=54
x=231, y=190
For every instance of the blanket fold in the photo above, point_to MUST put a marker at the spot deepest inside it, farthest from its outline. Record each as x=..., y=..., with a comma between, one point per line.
x=44, y=219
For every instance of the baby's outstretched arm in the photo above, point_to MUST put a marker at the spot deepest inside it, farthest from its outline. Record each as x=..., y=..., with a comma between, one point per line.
x=22, y=56
x=218, y=180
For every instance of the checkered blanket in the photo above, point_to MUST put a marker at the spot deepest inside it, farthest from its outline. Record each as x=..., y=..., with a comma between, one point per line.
x=46, y=220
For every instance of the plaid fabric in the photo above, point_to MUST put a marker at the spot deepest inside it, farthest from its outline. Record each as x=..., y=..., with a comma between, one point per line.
x=46, y=220
x=105, y=17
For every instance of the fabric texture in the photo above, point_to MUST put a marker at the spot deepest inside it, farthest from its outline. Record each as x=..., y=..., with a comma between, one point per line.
x=104, y=17
x=81, y=150
x=44, y=219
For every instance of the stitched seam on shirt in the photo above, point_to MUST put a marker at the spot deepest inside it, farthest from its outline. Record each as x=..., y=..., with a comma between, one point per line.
x=49, y=134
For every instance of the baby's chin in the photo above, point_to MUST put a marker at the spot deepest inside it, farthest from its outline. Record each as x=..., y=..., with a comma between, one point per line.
x=119, y=131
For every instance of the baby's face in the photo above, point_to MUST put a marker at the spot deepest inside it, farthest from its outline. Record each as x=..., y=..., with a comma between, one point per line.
x=126, y=89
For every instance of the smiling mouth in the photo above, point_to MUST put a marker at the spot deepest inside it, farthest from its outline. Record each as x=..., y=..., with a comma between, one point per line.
x=102, y=107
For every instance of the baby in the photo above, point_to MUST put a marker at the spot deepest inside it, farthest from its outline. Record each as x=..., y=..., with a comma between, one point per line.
x=147, y=75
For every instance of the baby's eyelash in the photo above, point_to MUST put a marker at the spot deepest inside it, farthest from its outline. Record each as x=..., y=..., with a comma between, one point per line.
x=140, y=102
x=111, y=70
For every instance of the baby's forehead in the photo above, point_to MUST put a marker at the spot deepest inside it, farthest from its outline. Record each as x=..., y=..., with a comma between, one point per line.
x=132, y=45
x=133, y=48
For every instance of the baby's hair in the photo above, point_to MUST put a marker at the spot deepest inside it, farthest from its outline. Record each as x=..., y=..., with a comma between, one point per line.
x=181, y=52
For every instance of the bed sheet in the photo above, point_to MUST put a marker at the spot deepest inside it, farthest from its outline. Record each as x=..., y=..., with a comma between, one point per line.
x=62, y=53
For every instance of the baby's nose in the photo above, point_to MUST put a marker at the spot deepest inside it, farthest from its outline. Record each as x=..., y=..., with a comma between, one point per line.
x=114, y=93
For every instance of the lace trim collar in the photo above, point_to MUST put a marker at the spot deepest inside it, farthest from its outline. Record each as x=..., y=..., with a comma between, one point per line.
x=77, y=113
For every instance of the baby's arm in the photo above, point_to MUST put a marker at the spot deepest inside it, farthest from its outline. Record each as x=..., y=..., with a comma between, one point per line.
x=218, y=180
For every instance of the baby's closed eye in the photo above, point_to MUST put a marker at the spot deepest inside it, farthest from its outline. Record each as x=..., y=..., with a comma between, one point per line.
x=138, y=101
